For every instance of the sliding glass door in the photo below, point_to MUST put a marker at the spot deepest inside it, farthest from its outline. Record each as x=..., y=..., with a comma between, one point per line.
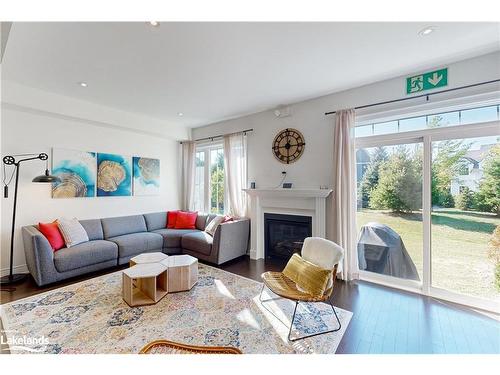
x=428, y=215
x=389, y=210
x=465, y=214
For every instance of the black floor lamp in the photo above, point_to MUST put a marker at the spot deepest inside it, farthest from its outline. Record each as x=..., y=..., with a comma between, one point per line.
x=12, y=278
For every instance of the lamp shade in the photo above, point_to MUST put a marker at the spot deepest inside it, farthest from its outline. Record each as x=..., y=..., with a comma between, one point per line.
x=46, y=178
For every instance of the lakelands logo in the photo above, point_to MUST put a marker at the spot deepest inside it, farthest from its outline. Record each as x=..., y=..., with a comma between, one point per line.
x=23, y=343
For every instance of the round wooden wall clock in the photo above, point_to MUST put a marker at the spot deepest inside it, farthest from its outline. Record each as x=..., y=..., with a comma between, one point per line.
x=288, y=145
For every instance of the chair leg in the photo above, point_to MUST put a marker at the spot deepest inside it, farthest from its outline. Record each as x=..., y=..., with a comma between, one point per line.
x=314, y=334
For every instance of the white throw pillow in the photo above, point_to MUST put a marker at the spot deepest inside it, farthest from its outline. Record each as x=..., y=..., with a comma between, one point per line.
x=72, y=231
x=212, y=226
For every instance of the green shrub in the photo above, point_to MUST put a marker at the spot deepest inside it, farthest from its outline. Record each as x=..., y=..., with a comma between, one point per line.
x=465, y=200
x=494, y=254
x=399, y=188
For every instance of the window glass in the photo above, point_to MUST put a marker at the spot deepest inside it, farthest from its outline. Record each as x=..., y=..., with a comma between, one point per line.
x=217, y=180
x=385, y=128
x=462, y=117
x=411, y=124
x=443, y=119
x=363, y=131
x=484, y=114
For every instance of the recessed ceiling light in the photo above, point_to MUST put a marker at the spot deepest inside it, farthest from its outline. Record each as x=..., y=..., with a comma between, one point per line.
x=180, y=114
x=426, y=31
x=154, y=23
x=83, y=84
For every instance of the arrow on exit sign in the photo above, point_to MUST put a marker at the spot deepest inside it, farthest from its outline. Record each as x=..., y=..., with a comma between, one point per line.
x=427, y=81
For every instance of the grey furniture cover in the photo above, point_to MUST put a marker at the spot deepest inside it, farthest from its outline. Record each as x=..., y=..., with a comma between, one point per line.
x=381, y=250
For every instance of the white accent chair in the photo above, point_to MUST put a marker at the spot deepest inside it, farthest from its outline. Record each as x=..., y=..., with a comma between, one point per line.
x=322, y=253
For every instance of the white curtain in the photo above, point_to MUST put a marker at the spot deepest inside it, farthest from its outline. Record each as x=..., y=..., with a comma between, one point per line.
x=188, y=165
x=344, y=192
x=235, y=167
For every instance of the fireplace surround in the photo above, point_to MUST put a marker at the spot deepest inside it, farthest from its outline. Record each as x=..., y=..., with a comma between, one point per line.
x=296, y=201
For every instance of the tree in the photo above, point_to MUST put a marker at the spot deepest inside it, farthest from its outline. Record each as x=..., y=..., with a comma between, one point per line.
x=399, y=187
x=494, y=254
x=465, y=199
x=371, y=176
x=217, y=184
x=446, y=164
x=488, y=196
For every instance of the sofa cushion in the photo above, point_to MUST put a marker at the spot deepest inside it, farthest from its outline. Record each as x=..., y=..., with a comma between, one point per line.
x=52, y=234
x=172, y=237
x=93, y=227
x=72, y=232
x=118, y=226
x=186, y=220
x=136, y=243
x=171, y=219
x=200, y=242
x=85, y=254
x=201, y=221
x=156, y=220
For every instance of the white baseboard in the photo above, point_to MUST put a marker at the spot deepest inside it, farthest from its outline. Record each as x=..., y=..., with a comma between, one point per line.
x=253, y=254
x=22, y=268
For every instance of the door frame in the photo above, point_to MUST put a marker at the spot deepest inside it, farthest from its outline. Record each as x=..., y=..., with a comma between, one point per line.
x=427, y=137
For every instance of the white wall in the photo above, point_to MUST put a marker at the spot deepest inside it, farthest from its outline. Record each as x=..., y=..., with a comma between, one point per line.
x=35, y=121
x=313, y=169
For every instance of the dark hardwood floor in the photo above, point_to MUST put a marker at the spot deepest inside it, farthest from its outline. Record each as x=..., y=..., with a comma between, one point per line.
x=385, y=320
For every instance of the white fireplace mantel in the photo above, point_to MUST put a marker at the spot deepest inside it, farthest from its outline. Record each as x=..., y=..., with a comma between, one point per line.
x=306, y=202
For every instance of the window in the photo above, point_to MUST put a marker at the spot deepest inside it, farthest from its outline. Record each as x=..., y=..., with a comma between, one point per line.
x=209, y=184
x=436, y=120
x=426, y=212
x=463, y=169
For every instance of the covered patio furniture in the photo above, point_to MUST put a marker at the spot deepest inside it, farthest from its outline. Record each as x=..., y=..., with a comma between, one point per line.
x=381, y=250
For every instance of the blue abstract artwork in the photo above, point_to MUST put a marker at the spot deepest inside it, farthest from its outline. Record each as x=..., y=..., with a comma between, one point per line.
x=146, y=176
x=114, y=175
x=77, y=172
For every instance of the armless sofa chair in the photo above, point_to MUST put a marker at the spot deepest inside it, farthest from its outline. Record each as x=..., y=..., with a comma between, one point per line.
x=113, y=241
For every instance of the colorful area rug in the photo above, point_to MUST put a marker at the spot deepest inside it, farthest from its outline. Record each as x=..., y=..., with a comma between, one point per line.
x=222, y=309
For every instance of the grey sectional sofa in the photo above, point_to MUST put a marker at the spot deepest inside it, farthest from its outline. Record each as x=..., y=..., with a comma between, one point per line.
x=113, y=241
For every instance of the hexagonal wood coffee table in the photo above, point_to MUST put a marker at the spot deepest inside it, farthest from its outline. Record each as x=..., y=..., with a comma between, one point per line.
x=156, y=257
x=144, y=284
x=182, y=272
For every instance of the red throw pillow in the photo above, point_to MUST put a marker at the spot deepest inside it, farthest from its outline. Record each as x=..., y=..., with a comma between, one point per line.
x=171, y=219
x=186, y=220
x=53, y=235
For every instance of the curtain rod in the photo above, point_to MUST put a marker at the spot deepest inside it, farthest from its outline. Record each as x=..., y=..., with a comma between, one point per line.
x=420, y=96
x=222, y=135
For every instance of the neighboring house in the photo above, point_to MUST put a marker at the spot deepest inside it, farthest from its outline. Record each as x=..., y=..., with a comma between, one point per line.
x=471, y=171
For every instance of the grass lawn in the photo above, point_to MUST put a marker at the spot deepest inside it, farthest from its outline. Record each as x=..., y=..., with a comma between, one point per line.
x=459, y=247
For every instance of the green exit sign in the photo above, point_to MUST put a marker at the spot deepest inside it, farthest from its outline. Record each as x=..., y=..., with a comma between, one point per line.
x=427, y=81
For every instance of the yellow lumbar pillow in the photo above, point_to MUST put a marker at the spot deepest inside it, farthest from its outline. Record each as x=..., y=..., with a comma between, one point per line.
x=308, y=276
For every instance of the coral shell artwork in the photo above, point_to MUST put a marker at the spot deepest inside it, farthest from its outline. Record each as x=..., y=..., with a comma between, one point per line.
x=146, y=176
x=114, y=175
x=77, y=171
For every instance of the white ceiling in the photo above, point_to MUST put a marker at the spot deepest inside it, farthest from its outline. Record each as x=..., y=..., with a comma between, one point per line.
x=215, y=71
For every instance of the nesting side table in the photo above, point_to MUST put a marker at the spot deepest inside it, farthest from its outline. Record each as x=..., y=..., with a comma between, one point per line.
x=182, y=272
x=144, y=284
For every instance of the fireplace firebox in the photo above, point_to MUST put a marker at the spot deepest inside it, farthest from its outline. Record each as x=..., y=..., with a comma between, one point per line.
x=285, y=234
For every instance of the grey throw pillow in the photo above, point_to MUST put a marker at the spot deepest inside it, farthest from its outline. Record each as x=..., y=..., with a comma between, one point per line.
x=72, y=231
